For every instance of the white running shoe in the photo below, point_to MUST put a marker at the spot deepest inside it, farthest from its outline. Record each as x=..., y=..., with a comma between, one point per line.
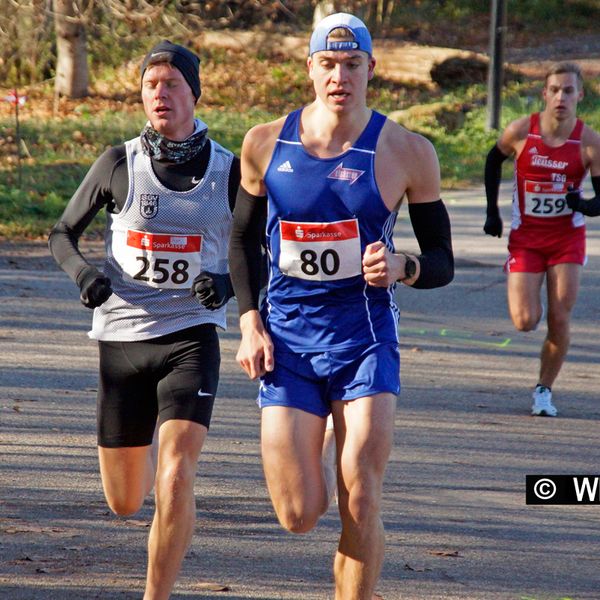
x=542, y=403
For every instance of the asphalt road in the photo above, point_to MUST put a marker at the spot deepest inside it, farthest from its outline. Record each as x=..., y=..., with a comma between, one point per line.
x=454, y=501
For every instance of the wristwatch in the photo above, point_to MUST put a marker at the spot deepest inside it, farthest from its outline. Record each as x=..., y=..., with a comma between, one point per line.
x=410, y=268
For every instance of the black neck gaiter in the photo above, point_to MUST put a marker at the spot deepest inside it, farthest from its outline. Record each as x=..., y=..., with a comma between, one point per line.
x=163, y=150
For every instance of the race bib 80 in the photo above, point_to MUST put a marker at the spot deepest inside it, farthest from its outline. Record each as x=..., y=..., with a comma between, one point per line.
x=546, y=199
x=160, y=260
x=320, y=251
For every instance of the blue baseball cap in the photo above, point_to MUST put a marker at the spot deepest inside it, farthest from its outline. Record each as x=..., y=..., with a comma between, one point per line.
x=361, y=41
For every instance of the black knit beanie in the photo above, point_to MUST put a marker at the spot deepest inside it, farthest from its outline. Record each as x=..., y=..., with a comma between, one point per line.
x=181, y=58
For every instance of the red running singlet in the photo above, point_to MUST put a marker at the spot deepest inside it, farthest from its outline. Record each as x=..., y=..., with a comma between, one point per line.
x=542, y=176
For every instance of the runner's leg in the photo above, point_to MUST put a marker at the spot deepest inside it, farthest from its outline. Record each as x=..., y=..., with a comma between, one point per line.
x=563, y=286
x=180, y=443
x=364, y=433
x=524, y=302
x=127, y=477
x=291, y=445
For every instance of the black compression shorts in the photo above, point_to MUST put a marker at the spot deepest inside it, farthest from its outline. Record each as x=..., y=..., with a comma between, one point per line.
x=171, y=377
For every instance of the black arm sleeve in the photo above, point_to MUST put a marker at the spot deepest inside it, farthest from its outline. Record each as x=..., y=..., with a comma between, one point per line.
x=589, y=207
x=234, y=182
x=245, y=257
x=94, y=193
x=592, y=206
x=431, y=225
x=492, y=177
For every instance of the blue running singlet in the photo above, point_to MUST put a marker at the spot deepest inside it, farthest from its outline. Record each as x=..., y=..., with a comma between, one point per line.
x=322, y=213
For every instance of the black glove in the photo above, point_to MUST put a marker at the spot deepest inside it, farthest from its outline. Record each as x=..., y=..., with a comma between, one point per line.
x=94, y=287
x=212, y=289
x=493, y=225
x=589, y=208
x=574, y=199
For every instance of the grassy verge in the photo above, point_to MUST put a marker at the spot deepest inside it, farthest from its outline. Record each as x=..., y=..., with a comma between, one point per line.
x=58, y=152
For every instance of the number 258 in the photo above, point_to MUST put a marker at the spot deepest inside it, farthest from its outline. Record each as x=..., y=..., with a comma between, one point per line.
x=161, y=270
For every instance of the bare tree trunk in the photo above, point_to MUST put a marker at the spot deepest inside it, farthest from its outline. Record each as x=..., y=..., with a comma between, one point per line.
x=323, y=9
x=387, y=18
x=71, y=50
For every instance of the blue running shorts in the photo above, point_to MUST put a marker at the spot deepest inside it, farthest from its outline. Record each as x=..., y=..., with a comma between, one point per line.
x=310, y=381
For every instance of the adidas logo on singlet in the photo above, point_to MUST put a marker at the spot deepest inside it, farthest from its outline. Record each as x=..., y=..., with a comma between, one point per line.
x=285, y=167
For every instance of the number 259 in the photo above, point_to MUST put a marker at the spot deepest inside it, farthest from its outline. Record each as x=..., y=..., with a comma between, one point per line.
x=546, y=206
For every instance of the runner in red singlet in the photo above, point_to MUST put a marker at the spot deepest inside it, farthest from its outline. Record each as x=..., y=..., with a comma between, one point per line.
x=553, y=152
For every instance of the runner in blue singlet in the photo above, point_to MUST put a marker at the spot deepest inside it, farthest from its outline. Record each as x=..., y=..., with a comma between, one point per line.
x=330, y=178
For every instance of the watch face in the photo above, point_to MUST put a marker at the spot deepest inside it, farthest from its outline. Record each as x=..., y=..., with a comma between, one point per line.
x=410, y=268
